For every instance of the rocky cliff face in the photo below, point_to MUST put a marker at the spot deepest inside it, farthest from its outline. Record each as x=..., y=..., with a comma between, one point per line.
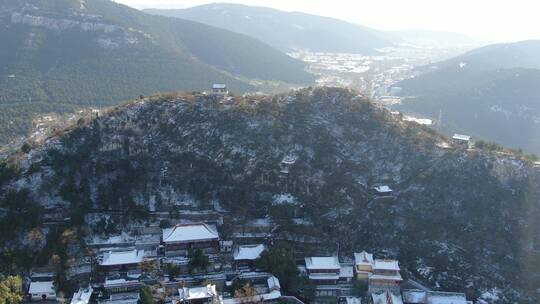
x=74, y=18
x=61, y=24
x=461, y=220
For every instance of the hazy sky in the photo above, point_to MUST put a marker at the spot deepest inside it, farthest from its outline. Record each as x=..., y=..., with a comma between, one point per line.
x=494, y=20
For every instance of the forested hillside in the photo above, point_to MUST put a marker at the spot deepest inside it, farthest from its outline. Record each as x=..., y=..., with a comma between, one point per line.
x=492, y=93
x=287, y=31
x=460, y=220
x=62, y=53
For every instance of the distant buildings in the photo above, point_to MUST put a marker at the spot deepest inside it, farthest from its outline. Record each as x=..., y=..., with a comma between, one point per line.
x=383, y=191
x=420, y=121
x=286, y=163
x=461, y=140
x=219, y=90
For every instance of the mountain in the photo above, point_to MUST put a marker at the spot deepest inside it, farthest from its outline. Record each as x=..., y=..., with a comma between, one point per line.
x=492, y=93
x=436, y=38
x=287, y=31
x=59, y=53
x=459, y=220
x=524, y=54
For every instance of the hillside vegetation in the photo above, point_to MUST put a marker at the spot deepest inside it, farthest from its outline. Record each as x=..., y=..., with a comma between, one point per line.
x=98, y=52
x=491, y=93
x=461, y=220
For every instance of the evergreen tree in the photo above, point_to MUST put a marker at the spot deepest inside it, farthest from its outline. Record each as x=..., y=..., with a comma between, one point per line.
x=145, y=296
x=279, y=261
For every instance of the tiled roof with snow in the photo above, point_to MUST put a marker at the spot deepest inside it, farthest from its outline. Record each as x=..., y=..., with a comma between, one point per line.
x=383, y=189
x=289, y=160
x=189, y=233
x=198, y=293
x=219, y=86
x=123, y=298
x=346, y=272
x=461, y=137
x=323, y=276
x=248, y=252
x=386, y=265
x=82, y=296
x=363, y=258
x=386, y=277
x=120, y=282
x=112, y=258
x=273, y=283
x=330, y=263
x=414, y=296
x=41, y=287
x=446, y=298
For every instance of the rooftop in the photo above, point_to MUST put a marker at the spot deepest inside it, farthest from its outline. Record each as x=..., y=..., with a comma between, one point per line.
x=346, y=272
x=273, y=283
x=123, y=298
x=248, y=252
x=446, y=298
x=82, y=296
x=188, y=233
x=289, y=160
x=219, y=86
x=386, y=265
x=461, y=137
x=112, y=258
x=383, y=189
x=324, y=276
x=414, y=296
x=385, y=277
x=331, y=263
x=120, y=282
x=363, y=258
x=41, y=287
x=197, y=293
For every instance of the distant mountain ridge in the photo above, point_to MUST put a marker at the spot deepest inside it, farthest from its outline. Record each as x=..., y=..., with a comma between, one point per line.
x=524, y=54
x=492, y=93
x=436, y=38
x=286, y=31
x=98, y=52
